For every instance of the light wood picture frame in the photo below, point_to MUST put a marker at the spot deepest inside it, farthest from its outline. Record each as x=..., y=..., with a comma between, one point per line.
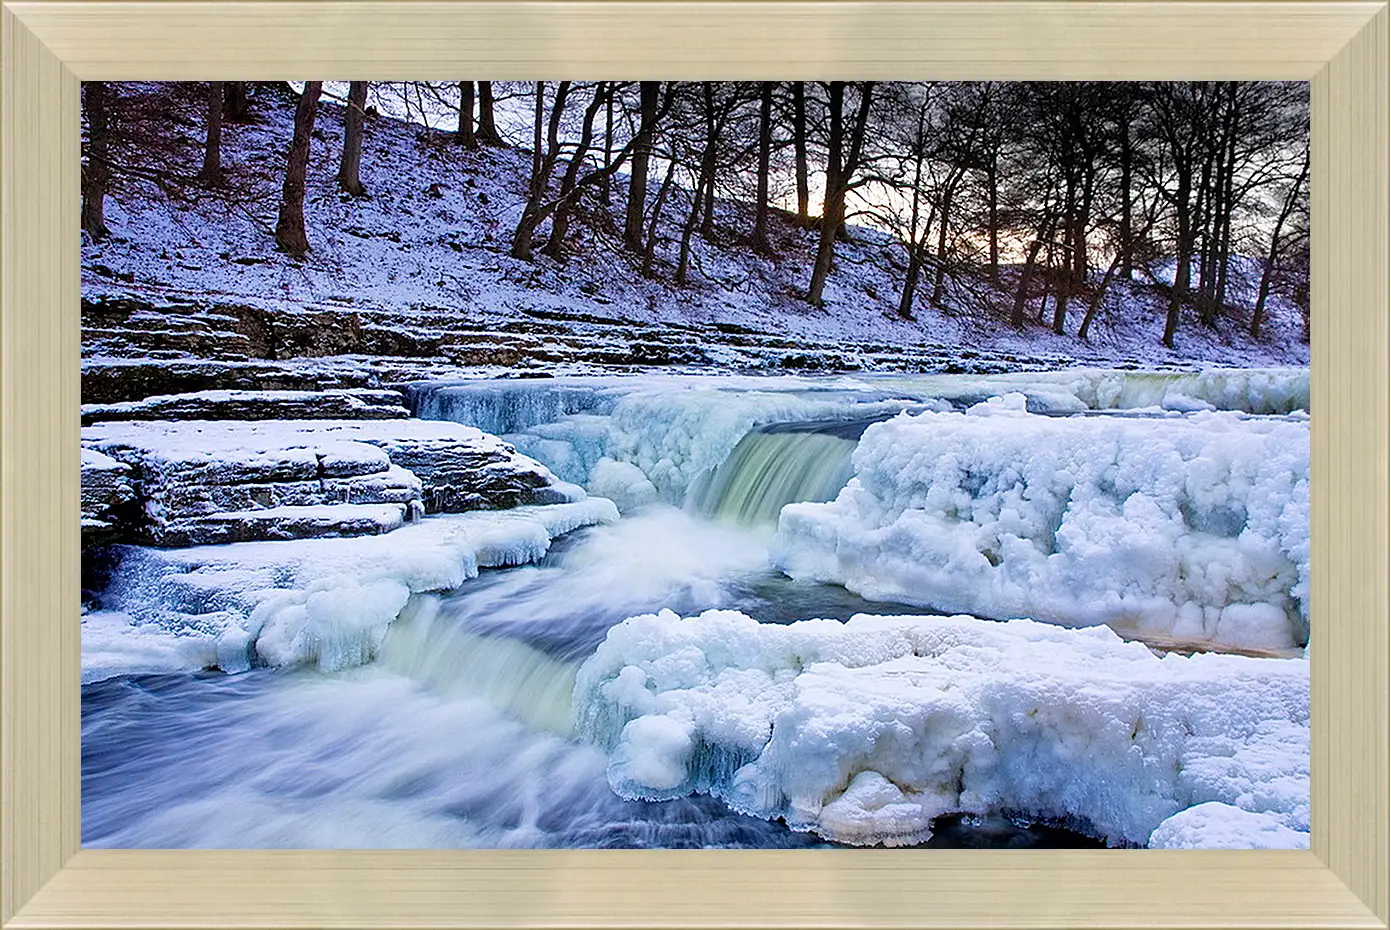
x=49, y=47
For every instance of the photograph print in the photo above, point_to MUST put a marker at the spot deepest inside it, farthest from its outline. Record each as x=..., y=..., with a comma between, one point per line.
x=671, y=464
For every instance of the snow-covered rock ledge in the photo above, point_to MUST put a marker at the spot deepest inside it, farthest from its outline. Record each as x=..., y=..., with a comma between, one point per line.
x=322, y=602
x=1193, y=528
x=864, y=732
x=216, y=481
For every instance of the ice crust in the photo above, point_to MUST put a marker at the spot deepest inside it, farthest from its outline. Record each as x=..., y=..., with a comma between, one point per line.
x=1193, y=527
x=863, y=732
x=676, y=429
x=321, y=602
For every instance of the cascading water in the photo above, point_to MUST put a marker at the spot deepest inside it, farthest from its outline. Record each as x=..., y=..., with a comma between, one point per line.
x=460, y=732
x=775, y=466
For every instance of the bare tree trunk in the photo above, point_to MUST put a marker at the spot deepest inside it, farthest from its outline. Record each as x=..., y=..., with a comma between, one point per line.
x=542, y=164
x=1268, y=272
x=833, y=203
x=466, y=136
x=1182, y=270
x=212, y=148
x=705, y=186
x=765, y=154
x=289, y=229
x=707, y=218
x=637, y=172
x=1098, y=297
x=654, y=225
x=96, y=172
x=910, y=281
x=1224, y=246
x=1127, y=233
x=349, y=168
x=1021, y=293
x=683, y=263
x=560, y=220
x=799, y=148
x=939, y=283
x=487, y=129
x=1204, y=237
x=992, y=188
x=236, y=103
x=606, y=185
x=1060, y=299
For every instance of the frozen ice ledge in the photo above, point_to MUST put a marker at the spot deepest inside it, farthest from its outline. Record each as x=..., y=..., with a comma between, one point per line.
x=1190, y=528
x=863, y=732
x=327, y=603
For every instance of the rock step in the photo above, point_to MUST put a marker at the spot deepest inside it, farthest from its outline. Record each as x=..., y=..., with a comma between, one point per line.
x=333, y=404
x=284, y=523
x=108, y=497
x=184, y=477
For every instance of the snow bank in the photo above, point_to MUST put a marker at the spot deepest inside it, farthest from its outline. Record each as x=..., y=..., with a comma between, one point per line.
x=863, y=732
x=1214, y=825
x=322, y=602
x=1193, y=527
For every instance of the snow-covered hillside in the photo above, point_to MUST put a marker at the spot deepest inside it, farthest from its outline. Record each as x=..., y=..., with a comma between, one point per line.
x=420, y=267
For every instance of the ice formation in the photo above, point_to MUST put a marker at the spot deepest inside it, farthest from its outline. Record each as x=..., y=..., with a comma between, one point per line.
x=1214, y=825
x=321, y=602
x=1193, y=527
x=865, y=731
x=678, y=429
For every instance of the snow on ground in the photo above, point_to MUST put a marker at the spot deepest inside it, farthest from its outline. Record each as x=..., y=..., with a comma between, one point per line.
x=321, y=602
x=1194, y=527
x=435, y=230
x=865, y=731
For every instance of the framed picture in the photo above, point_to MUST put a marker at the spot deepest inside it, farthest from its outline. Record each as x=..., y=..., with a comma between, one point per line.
x=781, y=461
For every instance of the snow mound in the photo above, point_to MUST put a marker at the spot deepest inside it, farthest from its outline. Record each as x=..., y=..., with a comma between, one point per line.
x=323, y=602
x=1214, y=825
x=1192, y=527
x=865, y=731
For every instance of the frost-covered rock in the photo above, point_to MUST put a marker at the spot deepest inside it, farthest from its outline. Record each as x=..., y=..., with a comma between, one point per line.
x=1193, y=527
x=107, y=496
x=865, y=731
x=306, y=522
x=205, y=481
x=323, y=602
x=346, y=404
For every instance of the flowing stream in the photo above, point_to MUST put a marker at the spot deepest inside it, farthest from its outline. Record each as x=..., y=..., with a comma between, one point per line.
x=459, y=734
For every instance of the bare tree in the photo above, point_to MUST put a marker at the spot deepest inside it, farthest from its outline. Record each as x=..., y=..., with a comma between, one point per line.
x=236, y=102
x=548, y=147
x=487, y=126
x=289, y=228
x=349, y=167
x=466, y=135
x=96, y=169
x=765, y=155
x=569, y=182
x=1292, y=199
x=799, y=149
x=637, y=176
x=212, y=146
x=842, y=161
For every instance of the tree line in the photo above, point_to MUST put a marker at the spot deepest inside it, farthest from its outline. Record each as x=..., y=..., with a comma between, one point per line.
x=1031, y=198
